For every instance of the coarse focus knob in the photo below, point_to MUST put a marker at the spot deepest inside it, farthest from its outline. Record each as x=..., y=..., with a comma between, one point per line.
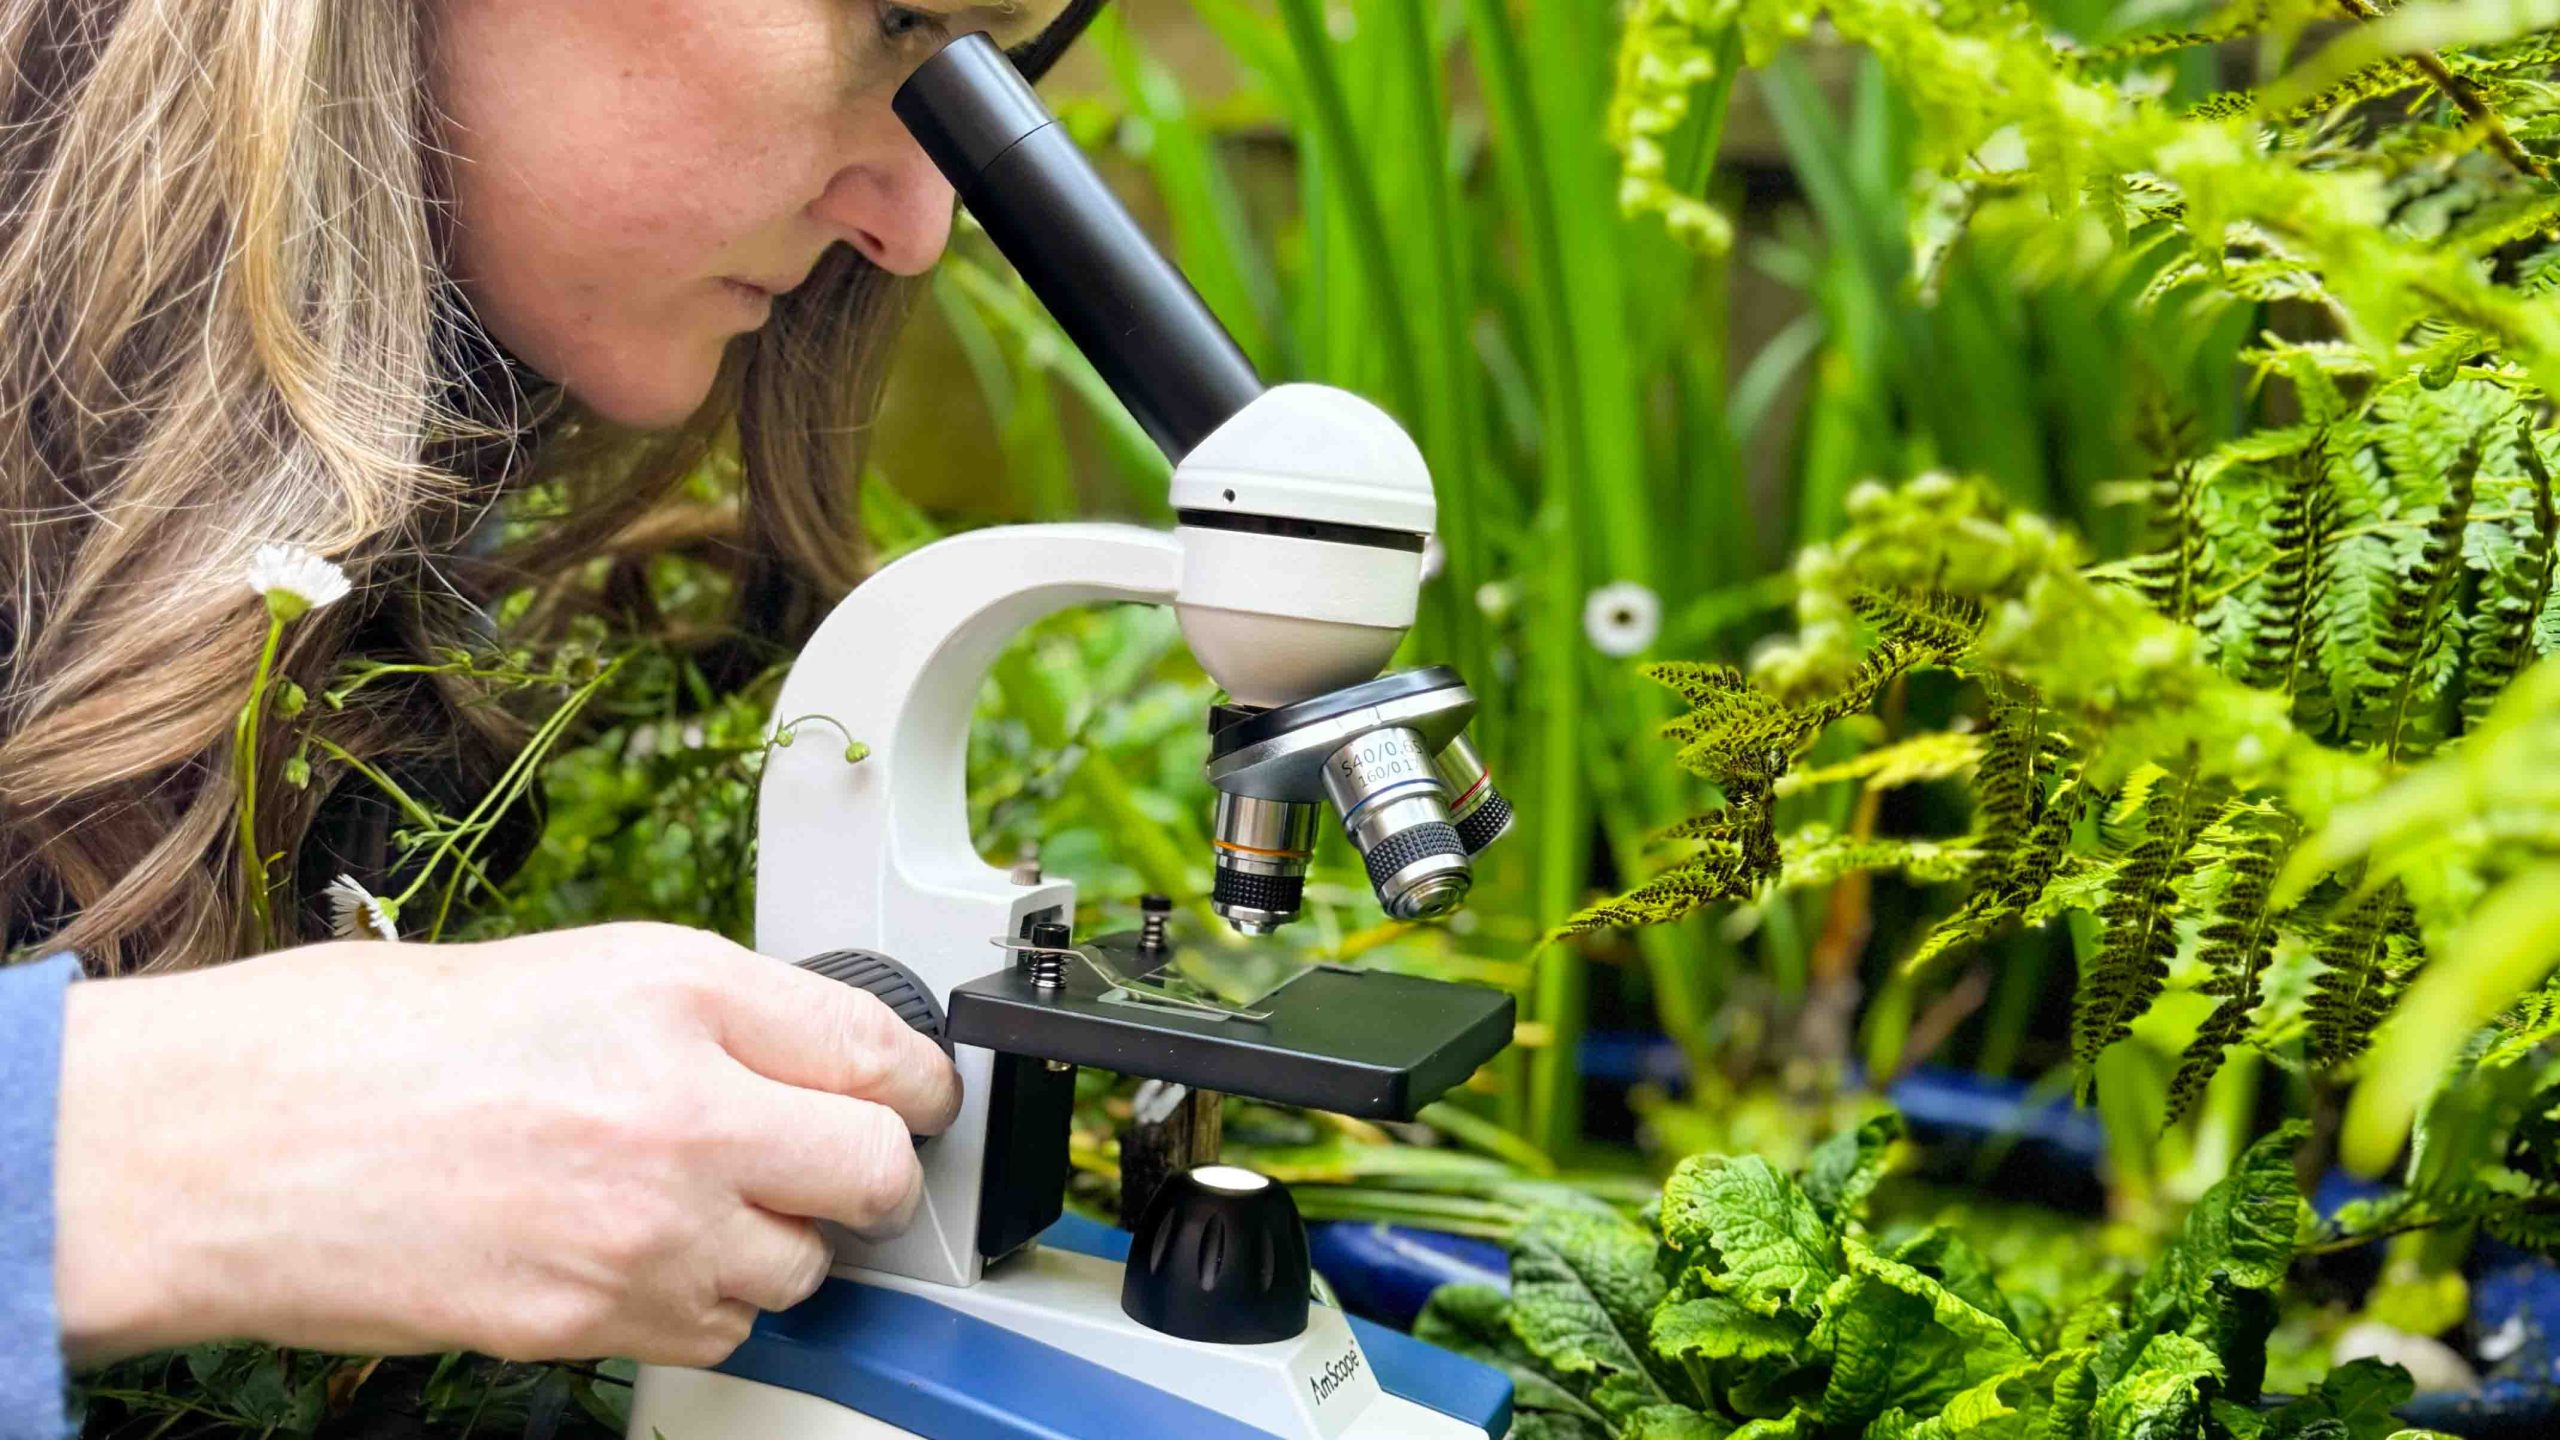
x=1220, y=1257
x=892, y=983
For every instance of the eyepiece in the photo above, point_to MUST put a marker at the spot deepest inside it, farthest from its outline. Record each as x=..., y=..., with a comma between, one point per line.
x=1477, y=809
x=1262, y=851
x=1125, y=306
x=1396, y=812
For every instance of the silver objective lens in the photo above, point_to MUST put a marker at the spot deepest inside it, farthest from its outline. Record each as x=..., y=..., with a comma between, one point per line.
x=1262, y=851
x=1396, y=812
x=1477, y=809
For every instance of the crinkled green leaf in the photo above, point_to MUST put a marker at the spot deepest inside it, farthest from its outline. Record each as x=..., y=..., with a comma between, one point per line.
x=1715, y=1327
x=1794, y=1425
x=1674, y=1422
x=1885, y=1352
x=1943, y=1254
x=2240, y=1422
x=1772, y=1247
x=1991, y=1345
x=2075, y=1392
x=2358, y=1397
x=1894, y=1424
x=1844, y=1169
x=1583, y=1292
x=2243, y=1228
x=2003, y=1407
x=1475, y=1321
x=1547, y=1425
x=2163, y=1396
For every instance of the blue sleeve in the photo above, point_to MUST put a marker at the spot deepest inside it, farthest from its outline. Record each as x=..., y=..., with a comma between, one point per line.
x=31, y=1376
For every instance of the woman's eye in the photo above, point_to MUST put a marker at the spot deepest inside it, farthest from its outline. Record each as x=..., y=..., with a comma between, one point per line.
x=903, y=24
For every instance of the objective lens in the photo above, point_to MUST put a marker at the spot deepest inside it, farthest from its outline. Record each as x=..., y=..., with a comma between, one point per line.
x=1479, y=811
x=1263, y=847
x=1396, y=812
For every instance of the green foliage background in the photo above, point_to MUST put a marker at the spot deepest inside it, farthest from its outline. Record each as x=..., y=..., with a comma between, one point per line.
x=2099, y=630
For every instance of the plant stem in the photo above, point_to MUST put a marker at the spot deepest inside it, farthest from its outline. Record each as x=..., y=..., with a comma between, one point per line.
x=245, y=747
x=2465, y=97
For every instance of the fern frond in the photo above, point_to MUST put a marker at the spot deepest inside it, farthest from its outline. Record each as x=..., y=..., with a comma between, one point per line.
x=1733, y=728
x=2167, y=576
x=2514, y=596
x=1698, y=684
x=2234, y=947
x=2524, y=1027
x=2132, y=964
x=2235, y=22
x=2415, y=632
x=2373, y=82
x=2006, y=884
x=2286, y=632
x=2021, y=758
x=1819, y=855
x=2359, y=978
x=1722, y=870
x=1929, y=755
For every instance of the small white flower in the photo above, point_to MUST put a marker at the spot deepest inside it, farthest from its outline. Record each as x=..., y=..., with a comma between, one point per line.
x=294, y=581
x=1494, y=598
x=1622, y=619
x=356, y=913
x=1435, y=558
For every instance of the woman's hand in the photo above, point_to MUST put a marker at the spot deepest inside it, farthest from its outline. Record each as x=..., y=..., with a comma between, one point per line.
x=596, y=1142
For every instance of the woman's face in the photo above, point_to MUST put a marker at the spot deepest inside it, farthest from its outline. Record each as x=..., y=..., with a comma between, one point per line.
x=634, y=180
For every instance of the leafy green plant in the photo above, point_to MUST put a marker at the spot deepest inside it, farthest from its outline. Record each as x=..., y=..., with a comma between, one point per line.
x=2330, y=596
x=1753, y=1304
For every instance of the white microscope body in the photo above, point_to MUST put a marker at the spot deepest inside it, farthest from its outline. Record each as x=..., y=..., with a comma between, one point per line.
x=877, y=856
x=1284, y=591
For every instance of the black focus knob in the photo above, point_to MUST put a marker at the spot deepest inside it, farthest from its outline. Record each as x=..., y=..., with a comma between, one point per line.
x=1220, y=1257
x=890, y=982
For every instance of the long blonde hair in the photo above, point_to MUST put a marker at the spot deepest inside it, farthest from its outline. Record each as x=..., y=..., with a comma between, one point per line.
x=227, y=324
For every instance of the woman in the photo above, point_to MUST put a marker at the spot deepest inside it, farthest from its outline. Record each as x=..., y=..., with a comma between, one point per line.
x=336, y=274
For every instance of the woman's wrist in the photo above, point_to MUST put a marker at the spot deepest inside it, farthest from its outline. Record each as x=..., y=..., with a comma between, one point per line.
x=129, y=1272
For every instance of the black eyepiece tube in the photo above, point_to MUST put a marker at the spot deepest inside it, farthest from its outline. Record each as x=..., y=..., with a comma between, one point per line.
x=1122, y=303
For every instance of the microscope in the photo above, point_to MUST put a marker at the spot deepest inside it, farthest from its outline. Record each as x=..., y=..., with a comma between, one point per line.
x=1293, y=571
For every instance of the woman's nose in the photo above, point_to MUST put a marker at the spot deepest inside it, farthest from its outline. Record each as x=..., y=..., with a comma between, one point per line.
x=894, y=207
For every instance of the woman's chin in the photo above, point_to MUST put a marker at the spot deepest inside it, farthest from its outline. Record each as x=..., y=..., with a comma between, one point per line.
x=660, y=396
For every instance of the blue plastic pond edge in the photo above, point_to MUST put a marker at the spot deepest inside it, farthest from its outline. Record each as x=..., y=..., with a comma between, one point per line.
x=1387, y=1272
x=1406, y=1368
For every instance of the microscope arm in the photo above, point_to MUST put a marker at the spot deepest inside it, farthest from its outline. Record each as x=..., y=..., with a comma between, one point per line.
x=877, y=855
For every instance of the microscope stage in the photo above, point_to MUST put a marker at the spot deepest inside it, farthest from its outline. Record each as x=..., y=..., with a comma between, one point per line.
x=1357, y=1042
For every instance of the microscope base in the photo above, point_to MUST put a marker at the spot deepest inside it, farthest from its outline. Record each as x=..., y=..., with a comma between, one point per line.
x=1040, y=1350
x=707, y=1405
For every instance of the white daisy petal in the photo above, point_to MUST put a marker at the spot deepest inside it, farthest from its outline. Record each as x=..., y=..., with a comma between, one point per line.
x=355, y=913
x=294, y=580
x=1622, y=619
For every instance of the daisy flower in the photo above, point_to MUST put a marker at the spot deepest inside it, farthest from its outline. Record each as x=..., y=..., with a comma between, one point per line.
x=1622, y=619
x=356, y=913
x=295, y=581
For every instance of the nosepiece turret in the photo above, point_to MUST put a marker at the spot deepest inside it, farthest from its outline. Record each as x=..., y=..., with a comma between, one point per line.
x=1382, y=756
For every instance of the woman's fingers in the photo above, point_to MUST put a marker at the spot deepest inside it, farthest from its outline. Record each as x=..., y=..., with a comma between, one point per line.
x=770, y=1261
x=827, y=1157
x=804, y=1029
x=696, y=1344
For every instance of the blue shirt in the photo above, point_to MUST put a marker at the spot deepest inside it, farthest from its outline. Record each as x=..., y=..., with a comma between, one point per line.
x=31, y=1375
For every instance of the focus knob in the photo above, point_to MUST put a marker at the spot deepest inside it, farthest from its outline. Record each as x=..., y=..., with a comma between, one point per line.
x=1221, y=1257
x=890, y=982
